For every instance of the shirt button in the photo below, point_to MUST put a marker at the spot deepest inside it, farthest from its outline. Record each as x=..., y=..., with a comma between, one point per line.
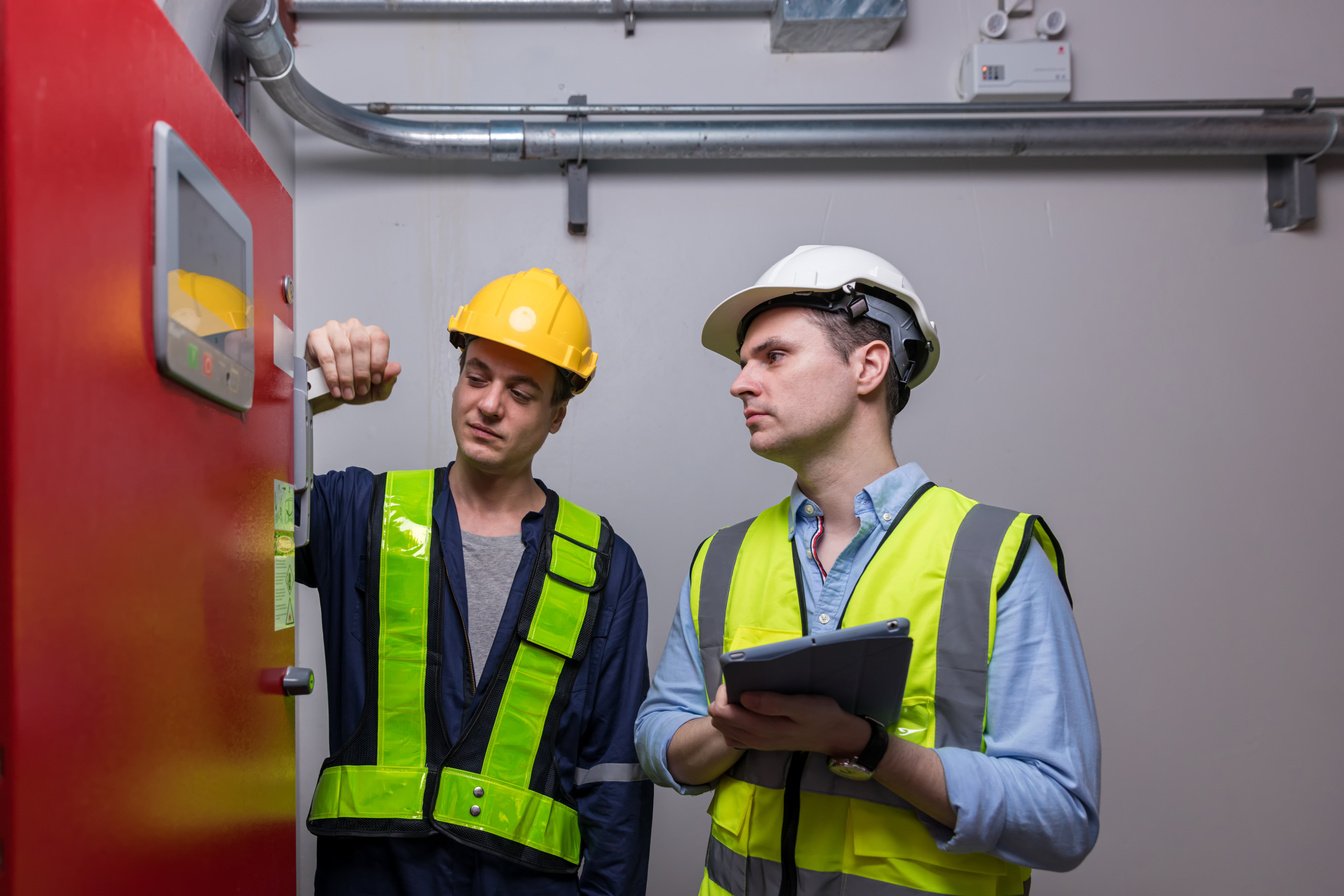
x=809, y=509
x=824, y=618
x=886, y=517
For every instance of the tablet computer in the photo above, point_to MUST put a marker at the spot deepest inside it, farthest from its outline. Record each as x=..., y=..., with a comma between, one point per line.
x=863, y=668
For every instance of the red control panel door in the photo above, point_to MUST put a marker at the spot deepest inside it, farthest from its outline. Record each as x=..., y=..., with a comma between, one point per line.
x=143, y=745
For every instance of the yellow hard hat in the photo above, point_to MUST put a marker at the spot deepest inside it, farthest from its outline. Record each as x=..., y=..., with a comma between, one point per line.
x=534, y=312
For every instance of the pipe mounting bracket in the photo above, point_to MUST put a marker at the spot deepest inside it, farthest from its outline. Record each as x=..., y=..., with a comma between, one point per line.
x=576, y=175
x=1291, y=180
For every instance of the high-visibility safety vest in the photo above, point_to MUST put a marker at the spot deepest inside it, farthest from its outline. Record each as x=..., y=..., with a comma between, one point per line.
x=496, y=789
x=782, y=822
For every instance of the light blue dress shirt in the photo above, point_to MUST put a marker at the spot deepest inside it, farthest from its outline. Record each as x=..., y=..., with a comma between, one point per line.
x=1031, y=798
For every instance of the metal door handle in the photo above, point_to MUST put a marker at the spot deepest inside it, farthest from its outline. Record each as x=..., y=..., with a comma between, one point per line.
x=297, y=681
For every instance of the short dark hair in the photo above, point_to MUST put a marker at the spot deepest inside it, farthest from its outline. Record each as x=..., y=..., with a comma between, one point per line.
x=561, y=392
x=846, y=334
x=564, y=386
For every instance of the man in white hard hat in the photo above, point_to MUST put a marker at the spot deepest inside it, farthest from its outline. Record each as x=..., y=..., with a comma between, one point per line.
x=484, y=637
x=992, y=767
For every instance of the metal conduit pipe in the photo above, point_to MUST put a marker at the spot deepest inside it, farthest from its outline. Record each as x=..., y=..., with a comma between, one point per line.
x=1279, y=104
x=255, y=24
x=535, y=8
x=940, y=138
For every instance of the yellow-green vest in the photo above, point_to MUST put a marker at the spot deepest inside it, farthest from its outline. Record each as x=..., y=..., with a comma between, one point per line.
x=943, y=564
x=496, y=788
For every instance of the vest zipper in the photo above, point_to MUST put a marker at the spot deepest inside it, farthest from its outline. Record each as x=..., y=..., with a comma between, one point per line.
x=788, y=829
x=462, y=626
x=793, y=775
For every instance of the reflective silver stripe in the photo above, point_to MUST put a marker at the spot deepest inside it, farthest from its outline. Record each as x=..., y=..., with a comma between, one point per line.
x=766, y=769
x=715, y=578
x=963, y=627
x=740, y=875
x=609, y=771
x=762, y=768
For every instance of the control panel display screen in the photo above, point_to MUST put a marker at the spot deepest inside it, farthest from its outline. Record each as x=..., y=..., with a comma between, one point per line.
x=203, y=314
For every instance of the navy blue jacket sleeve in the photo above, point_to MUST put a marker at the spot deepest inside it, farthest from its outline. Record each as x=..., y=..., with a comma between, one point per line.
x=615, y=799
x=334, y=561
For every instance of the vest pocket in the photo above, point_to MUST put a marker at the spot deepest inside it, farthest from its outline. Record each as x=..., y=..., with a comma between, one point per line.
x=916, y=720
x=730, y=814
x=517, y=814
x=745, y=636
x=894, y=845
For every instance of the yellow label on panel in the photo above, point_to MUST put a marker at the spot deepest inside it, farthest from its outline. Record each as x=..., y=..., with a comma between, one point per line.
x=284, y=555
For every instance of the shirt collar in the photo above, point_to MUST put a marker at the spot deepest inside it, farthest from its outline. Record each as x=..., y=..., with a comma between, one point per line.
x=880, y=501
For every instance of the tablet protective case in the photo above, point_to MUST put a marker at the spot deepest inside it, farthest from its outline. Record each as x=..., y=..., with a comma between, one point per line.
x=864, y=668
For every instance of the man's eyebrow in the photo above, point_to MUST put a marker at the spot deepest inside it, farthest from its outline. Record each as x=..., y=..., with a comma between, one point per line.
x=767, y=344
x=522, y=379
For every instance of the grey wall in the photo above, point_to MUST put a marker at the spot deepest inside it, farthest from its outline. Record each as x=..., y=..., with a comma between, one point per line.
x=200, y=25
x=1127, y=350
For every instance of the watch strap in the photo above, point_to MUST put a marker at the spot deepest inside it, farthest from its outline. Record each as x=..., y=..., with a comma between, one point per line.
x=871, y=754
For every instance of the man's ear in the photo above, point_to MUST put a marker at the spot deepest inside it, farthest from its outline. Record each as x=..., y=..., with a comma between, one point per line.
x=558, y=416
x=871, y=364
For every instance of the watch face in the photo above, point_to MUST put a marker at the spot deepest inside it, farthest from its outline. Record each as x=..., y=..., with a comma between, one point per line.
x=849, y=769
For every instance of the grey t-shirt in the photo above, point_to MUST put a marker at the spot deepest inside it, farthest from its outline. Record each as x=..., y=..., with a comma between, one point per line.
x=491, y=561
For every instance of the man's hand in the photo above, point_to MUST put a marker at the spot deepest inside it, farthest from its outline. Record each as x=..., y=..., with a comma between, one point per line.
x=353, y=358
x=766, y=721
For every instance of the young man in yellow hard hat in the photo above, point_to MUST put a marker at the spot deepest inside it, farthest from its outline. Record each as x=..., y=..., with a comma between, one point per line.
x=484, y=637
x=991, y=767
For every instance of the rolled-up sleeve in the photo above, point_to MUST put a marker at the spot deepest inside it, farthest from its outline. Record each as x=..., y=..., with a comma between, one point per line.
x=1032, y=797
x=676, y=697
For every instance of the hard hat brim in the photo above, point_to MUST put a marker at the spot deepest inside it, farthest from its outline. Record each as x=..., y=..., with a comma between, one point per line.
x=720, y=331
x=719, y=334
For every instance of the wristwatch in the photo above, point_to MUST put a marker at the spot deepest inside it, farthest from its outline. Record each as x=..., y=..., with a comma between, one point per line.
x=862, y=766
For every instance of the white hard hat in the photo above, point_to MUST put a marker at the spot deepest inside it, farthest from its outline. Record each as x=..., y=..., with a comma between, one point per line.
x=833, y=278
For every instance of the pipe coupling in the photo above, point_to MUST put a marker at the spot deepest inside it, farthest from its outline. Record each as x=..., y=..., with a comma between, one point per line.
x=506, y=141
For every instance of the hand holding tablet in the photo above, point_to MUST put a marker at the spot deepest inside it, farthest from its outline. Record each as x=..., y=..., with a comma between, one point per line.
x=863, y=668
